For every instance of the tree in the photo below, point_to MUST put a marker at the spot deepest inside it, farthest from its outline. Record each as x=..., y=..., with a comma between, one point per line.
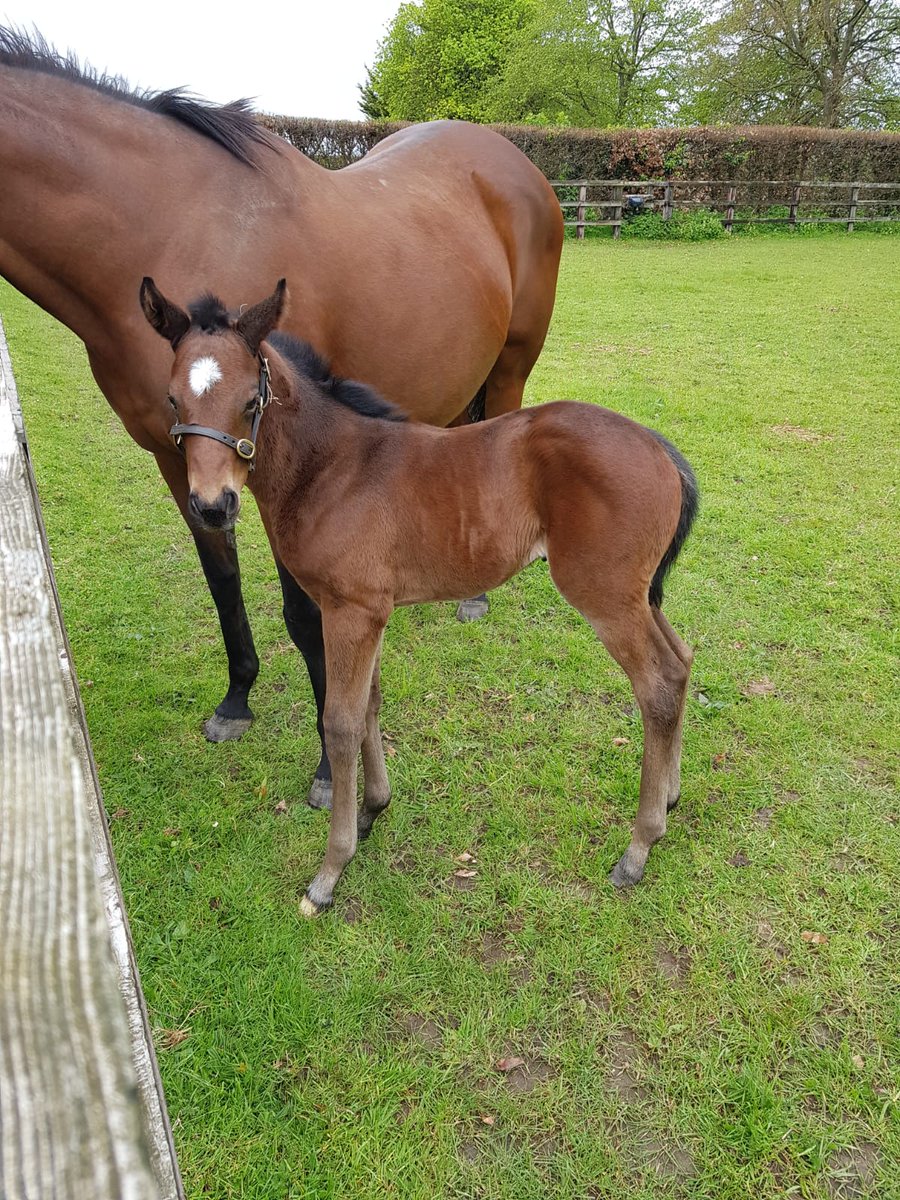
x=439, y=58
x=615, y=62
x=806, y=62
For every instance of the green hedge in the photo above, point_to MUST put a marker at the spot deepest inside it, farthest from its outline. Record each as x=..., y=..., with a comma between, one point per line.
x=702, y=152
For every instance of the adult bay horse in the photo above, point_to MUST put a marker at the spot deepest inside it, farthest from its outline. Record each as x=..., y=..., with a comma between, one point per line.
x=607, y=502
x=441, y=246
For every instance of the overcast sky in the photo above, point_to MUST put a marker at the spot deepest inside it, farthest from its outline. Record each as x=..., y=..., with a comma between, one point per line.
x=299, y=58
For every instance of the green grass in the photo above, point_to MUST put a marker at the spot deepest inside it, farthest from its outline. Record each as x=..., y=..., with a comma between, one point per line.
x=681, y=1040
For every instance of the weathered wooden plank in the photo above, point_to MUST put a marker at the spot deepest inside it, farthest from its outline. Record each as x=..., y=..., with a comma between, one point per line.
x=81, y=1110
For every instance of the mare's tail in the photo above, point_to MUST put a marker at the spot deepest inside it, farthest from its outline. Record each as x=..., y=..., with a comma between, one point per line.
x=690, y=495
x=476, y=406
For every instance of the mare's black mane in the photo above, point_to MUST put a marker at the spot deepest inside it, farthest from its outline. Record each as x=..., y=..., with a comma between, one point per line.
x=209, y=315
x=232, y=126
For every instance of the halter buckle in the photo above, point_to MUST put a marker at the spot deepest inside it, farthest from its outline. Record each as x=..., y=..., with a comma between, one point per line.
x=245, y=449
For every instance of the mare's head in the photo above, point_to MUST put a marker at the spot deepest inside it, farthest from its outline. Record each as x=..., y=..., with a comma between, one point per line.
x=218, y=389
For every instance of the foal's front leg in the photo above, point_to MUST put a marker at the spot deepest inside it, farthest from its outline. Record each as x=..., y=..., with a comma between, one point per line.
x=352, y=638
x=376, y=786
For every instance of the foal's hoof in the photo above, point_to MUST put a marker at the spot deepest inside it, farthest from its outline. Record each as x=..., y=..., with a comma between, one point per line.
x=309, y=908
x=320, y=794
x=472, y=610
x=624, y=874
x=226, y=729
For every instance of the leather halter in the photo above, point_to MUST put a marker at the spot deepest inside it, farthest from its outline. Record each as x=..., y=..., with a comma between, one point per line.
x=244, y=448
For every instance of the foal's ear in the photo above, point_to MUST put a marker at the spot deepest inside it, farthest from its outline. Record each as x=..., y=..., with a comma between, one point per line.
x=257, y=322
x=167, y=318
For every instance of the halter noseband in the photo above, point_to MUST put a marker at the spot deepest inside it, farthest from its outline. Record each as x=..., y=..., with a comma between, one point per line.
x=244, y=448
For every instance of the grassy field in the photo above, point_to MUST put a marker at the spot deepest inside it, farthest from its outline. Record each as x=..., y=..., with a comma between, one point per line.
x=691, y=1038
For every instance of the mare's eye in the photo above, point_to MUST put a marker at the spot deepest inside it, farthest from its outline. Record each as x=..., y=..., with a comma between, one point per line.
x=250, y=406
x=171, y=400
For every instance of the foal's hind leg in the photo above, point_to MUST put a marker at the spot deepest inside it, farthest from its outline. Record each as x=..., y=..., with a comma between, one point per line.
x=686, y=654
x=643, y=647
x=659, y=677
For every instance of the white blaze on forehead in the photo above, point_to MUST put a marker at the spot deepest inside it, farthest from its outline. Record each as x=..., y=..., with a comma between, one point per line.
x=203, y=374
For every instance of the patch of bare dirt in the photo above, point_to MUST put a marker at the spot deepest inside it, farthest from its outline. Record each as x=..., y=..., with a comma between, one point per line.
x=351, y=911
x=665, y=1160
x=527, y=1075
x=673, y=965
x=422, y=1030
x=800, y=434
x=851, y=1172
x=625, y=1058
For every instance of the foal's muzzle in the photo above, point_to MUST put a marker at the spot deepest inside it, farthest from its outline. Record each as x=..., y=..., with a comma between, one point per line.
x=220, y=514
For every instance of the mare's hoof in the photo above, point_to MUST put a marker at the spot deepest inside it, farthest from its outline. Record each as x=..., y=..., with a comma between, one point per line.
x=320, y=794
x=673, y=803
x=226, y=729
x=623, y=874
x=309, y=908
x=472, y=610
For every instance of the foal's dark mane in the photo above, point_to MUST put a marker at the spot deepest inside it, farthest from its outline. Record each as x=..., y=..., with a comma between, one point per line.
x=209, y=315
x=232, y=126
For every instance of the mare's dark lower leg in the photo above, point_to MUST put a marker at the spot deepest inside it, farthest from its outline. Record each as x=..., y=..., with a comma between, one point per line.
x=304, y=624
x=218, y=557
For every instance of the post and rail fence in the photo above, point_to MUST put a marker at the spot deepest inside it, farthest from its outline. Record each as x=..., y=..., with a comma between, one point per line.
x=591, y=198
x=82, y=1114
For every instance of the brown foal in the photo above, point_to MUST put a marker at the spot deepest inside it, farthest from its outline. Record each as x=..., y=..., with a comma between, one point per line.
x=356, y=500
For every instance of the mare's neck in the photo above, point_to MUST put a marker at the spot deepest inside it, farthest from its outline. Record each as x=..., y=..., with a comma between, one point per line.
x=97, y=193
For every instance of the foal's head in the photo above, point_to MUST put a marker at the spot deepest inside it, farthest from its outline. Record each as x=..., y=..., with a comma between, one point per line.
x=218, y=389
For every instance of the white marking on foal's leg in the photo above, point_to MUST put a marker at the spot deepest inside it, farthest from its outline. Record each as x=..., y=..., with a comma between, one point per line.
x=203, y=374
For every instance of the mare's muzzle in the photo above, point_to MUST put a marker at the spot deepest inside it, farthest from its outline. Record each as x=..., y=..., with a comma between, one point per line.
x=244, y=448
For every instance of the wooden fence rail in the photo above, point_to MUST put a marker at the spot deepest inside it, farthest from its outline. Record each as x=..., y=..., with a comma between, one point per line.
x=81, y=1110
x=724, y=196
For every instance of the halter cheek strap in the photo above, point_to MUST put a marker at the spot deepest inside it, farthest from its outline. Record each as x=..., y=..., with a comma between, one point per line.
x=244, y=448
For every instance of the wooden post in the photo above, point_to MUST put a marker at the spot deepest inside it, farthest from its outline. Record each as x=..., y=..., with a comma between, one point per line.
x=854, y=197
x=81, y=1110
x=795, y=204
x=579, y=216
x=729, y=207
x=668, y=201
x=617, y=210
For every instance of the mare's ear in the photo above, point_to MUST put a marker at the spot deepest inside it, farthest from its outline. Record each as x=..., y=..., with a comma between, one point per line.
x=257, y=322
x=167, y=318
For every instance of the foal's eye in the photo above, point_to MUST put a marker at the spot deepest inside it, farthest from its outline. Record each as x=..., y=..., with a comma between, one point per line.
x=171, y=400
x=250, y=406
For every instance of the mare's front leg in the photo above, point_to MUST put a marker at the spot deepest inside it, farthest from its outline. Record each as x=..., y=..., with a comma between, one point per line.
x=304, y=624
x=218, y=557
x=352, y=638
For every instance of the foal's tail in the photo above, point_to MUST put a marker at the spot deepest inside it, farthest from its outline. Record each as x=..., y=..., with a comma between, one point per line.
x=690, y=496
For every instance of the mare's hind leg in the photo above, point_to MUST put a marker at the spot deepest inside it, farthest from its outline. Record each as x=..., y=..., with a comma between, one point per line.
x=643, y=647
x=352, y=637
x=376, y=787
